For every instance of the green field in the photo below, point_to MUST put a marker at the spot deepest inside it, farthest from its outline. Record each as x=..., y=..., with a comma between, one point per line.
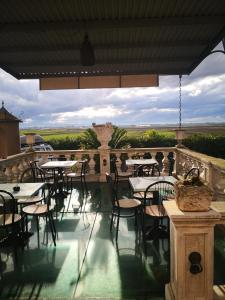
x=62, y=133
x=54, y=134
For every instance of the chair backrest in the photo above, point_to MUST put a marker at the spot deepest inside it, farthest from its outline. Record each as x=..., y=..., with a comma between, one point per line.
x=192, y=172
x=161, y=190
x=34, y=164
x=33, y=174
x=7, y=205
x=112, y=185
x=62, y=158
x=147, y=170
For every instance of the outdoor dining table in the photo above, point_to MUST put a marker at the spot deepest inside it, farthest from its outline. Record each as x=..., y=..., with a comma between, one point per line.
x=60, y=166
x=139, y=184
x=26, y=190
x=133, y=162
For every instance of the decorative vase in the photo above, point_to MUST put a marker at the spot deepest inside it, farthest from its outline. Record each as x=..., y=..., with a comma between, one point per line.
x=104, y=134
x=193, y=198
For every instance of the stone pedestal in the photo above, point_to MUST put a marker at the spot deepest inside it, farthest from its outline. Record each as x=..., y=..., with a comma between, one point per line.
x=104, y=163
x=190, y=232
x=104, y=135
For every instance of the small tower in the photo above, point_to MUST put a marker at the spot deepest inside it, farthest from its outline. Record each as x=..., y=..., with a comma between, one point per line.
x=9, y=133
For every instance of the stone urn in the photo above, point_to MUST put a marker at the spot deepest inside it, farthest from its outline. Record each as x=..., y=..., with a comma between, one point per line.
x=104, y=134
x=193, y=195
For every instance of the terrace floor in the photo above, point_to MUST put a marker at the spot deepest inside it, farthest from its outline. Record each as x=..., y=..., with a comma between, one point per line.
x=86, y=262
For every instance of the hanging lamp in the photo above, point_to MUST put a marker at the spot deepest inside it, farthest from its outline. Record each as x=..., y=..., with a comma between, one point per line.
x=87, y=55
x=180, y=133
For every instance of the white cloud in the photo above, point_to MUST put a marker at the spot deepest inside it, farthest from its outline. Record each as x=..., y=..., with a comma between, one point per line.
x=160, y=110
x=89, y=113
x=205, y=119
x=195, y=93
x=28, y=121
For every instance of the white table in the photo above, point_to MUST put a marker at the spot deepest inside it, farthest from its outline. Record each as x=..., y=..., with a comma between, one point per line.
x=132, y=162
x=27, y=190
x=60, y=166
x=57, y=164
x=139, y=184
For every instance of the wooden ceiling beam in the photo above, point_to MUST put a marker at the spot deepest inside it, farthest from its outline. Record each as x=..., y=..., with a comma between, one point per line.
x=102, y=25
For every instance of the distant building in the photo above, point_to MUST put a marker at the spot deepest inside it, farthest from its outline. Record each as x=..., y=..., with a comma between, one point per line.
x=9, y=133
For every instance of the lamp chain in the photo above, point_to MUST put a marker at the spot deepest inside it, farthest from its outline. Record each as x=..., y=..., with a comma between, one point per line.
x=180, y=76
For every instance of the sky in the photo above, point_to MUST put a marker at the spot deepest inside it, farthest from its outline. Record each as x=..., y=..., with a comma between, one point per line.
x=203, y=100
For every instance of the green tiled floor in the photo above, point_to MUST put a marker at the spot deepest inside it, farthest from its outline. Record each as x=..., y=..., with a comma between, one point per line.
x=87, y=263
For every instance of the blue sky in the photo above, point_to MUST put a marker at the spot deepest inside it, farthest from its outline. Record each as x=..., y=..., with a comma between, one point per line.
x=203, y=100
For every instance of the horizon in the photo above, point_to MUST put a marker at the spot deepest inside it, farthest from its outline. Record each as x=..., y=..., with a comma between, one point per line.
x=203, y=101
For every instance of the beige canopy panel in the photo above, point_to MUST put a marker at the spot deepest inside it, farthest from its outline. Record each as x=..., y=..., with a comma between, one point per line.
x=93, y=82
x=115, y=38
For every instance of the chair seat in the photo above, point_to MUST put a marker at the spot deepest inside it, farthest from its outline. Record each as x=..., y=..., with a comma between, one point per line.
x=37, y=209
x=125, y=174
x=128, y=203
x=155, y=211
x=31, y=200
x=73, y=175
x=9, y=219
x=141, y=195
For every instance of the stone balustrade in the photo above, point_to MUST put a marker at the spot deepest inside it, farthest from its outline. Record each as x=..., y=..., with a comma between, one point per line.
x=12, y=167
x=93, y=166
x=212, y=170
x=160, y=154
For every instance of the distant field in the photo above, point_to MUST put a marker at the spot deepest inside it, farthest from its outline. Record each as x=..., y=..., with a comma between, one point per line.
x=62, y=133
x=51, y=134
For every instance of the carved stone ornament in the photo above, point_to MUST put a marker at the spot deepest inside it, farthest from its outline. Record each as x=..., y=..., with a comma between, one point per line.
x=193, y=198
x=104, y=134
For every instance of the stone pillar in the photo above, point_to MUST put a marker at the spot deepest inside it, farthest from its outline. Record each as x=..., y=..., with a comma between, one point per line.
x=190, y=232
x=104, y=135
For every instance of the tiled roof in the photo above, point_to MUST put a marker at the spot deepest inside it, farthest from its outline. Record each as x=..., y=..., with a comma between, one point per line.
x=5, y=116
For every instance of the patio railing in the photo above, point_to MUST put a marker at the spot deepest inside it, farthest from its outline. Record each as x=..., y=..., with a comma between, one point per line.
x=212, y=170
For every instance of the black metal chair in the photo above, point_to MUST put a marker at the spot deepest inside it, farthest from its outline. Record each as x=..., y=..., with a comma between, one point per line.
x=142, y=171
x=78, y=175
x=48, y=174
x=120, y=175
x=10, y=220
x=153, y=208
x=43, y=210
x=33, y=174
x=147, y=170
x=122, y=208
x=192, y=172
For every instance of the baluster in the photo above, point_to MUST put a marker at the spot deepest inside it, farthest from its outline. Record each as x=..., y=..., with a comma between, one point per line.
x=130, y=154
x=118, y=161
x=165, y=163
x=218, y=184
x=15, y=172
x=3, y=177
x=91, y=163
x=153, y=154
x=9, y=174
